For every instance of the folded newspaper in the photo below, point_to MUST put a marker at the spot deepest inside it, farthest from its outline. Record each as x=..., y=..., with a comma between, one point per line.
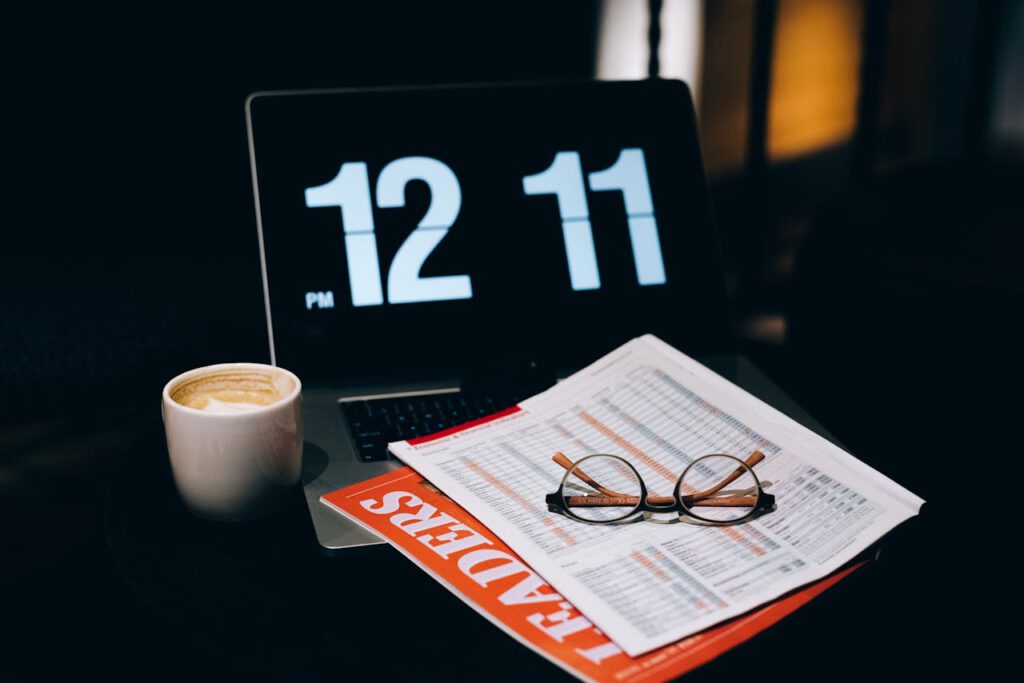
x=649, y=585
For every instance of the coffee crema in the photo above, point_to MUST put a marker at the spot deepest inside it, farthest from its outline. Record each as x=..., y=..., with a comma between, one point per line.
x=231, y=391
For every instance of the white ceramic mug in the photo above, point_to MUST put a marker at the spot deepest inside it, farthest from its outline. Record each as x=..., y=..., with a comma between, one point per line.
x=237, y=455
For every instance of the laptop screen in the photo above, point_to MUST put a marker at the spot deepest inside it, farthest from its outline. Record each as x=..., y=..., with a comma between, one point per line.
x=424, y=231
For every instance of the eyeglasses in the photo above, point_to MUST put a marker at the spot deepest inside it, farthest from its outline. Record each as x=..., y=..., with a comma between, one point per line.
x=700, y=491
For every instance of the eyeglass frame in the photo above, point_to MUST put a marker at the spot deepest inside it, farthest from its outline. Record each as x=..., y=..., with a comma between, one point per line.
x=556, y=502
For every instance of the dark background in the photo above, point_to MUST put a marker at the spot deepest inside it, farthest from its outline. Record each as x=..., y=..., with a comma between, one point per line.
x=874, y=274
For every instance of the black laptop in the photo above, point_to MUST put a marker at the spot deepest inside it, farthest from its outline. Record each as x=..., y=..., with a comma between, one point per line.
x=434, y=255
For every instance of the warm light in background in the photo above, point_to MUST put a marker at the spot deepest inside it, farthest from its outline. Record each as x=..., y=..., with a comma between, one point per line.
x=815, y=70
x=724, y=103
x=815, y=75
x=623, y=50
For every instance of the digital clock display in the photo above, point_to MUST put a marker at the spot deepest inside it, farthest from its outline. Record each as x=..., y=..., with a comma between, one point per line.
x=430, y=228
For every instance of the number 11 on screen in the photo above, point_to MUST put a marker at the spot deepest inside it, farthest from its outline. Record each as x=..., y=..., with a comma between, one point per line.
x=628, y=175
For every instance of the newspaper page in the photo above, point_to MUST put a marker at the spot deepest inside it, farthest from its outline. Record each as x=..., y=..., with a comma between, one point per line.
x=469, y=560
x=647, y=585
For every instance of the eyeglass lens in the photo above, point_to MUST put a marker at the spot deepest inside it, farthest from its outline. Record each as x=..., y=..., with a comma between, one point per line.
x=601, y=488
x=703, y=495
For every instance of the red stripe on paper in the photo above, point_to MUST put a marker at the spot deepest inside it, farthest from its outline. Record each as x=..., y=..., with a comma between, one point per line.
x=465, y=425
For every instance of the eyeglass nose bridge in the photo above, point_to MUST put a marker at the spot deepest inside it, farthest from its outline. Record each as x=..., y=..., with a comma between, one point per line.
x=656, y=506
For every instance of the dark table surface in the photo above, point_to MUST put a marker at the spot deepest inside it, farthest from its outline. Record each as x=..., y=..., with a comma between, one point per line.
x=110, y=575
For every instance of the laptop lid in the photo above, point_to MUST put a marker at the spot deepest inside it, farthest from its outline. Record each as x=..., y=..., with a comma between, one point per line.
x=420, y=232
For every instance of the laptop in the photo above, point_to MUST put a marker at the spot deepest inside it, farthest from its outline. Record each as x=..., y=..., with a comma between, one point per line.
x=432, y=255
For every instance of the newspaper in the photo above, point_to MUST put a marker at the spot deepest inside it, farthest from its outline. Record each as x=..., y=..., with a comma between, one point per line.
x=648, y=585
x=469, y=560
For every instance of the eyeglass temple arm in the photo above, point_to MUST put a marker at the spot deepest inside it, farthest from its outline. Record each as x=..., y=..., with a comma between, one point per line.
x=565, y=462
x=752, y=460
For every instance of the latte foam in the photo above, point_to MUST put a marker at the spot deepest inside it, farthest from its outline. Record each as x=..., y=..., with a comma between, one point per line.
x=232, y=391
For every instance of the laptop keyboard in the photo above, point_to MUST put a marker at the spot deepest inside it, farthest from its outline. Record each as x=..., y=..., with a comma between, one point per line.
x=377, y=421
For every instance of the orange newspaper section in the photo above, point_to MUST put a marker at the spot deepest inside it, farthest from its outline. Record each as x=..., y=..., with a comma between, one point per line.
x=457, y=550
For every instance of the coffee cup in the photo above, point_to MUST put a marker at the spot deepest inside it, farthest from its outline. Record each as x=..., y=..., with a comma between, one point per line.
x=234, y=436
